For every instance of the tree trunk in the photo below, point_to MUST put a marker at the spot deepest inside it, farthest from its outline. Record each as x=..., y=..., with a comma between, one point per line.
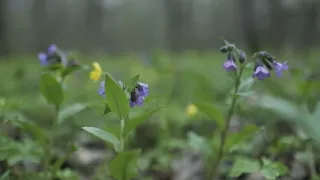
x=3, y=41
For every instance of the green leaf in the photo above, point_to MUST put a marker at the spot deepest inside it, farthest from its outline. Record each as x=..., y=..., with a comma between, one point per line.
x=51, y=89
x=282, y=107
x=104, y=135
x=244, y=165
x=117, y=99
x=246, y=85
x=124, y=165
x=34, y=130
x=132, y=83
x=60, y=161
x=212, y=112
x=5, y=175
x=54, y=67
x=106, y=109
x=135, y=121
x=273, y=170
x=68, y=70
x=71, y=110
x=199, y=143
x=236, y=138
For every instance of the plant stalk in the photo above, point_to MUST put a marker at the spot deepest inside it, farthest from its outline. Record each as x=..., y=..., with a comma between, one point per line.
x=121, y=135
x=224, y=133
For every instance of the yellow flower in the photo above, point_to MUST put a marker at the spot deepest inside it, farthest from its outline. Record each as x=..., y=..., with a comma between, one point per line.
x=96, y=72
x=191, y=110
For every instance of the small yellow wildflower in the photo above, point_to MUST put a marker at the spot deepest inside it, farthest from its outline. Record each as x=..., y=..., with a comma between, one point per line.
x=96, y=72
x=191, y=110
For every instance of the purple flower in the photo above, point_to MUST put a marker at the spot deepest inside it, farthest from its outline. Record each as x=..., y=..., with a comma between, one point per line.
x=101, y=89
x=50, y=57
x=143, y=89
x=52, y=49
x=261, y=72
x=279, y=67
x=44, y=60
x=229, y=65
x=137, y=96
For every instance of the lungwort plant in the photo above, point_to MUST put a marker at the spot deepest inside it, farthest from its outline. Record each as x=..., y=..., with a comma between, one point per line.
x=56, y=68
x=120, y=98
x=219, y=149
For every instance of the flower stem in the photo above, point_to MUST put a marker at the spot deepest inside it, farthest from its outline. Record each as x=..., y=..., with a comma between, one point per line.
x=121, y=135
x=224, y=133
x=49, y=169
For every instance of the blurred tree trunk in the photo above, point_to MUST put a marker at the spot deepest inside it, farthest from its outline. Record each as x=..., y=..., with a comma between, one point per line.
x=174, y=24
x=279, y=20
x=250, y=33
x=39, y=20
x=309, y=31
x=3, y=42
x=94, y=24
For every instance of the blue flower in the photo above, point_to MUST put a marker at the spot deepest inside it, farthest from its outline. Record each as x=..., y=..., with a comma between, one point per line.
x=50, y=57
x=261, y=72
x=137, y=96
x=279, y=67
x=230, y=64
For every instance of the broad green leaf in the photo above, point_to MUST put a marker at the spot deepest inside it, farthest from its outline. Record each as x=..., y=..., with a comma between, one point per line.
x=273, y=170
x=199, y=143
x=236, y=138
x=132, y=83
x=68, y=70
x=212, y=112
x=51, y=89
x=312, y=123
x=113, y=129
x=124, y=165
x=71, y=110
x=106, y=109
x=104, y=135
x=246, y=85
x=135, y=121
x=117, y=99
x=282, y=107
x=244, y=165
x=54, y=67
x=5, y=175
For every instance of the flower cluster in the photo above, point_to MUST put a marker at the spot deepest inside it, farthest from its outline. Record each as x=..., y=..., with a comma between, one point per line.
x=264, y=62
x=230, y=64
x=54, y=56
x=136, y=96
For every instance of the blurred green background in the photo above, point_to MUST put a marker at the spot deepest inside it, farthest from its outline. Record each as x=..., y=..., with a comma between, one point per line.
x=173, y=45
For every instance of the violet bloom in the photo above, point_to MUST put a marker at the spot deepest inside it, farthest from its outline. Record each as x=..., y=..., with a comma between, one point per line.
x=44, y=60
x=229, y=65
x=279, y=67
x=50, y=57
x=52, y=49
x=101, y=89
x=261, y=72
x=137, y=96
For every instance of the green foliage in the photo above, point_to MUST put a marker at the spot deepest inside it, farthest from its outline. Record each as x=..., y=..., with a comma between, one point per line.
x=71, y=110
x=124, y=165
x=244, y=165
x=106, y=136
x=212, y=112
x=132, y=83
x=132, y=123
x=189, y=81
x=117, y=99
x=51, y=89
